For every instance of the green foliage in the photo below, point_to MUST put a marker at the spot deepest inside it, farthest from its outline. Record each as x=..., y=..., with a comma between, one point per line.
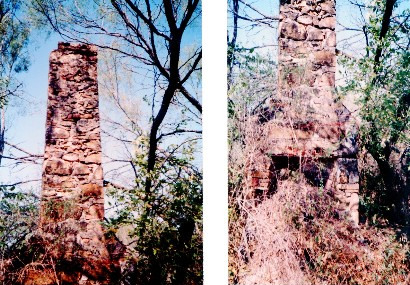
x=18, y=213
x=14, y=35
x=167, y=222
x=253, y=82
x=381, y=81
x=383, y=86
x=60, y=210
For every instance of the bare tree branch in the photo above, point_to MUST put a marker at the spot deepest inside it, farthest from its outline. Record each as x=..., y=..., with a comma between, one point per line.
x=19, y=183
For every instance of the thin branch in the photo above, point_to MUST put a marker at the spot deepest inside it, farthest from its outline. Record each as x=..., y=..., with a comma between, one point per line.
x=19, y=183
x=191, y=99
x=107, y=183
x=179, y=131
x=24, y=151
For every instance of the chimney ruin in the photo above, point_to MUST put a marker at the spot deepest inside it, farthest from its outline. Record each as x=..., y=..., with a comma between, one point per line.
x=309, y=122
x=72, y=206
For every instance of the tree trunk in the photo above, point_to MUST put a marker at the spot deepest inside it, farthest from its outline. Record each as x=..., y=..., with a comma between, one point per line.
x=397, y=191
x=2, y=132
x=384, y=28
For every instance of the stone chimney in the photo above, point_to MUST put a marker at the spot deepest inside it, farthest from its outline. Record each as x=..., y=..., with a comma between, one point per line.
x=306, y=84
x=308, y=121
x=72, y=206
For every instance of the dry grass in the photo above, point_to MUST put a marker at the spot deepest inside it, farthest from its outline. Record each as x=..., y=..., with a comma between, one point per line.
x=298, y=235
x=268, y=253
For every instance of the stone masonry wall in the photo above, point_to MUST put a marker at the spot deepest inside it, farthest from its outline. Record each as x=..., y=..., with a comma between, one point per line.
x=308, y=121
x=72, y=207
x=307, y=66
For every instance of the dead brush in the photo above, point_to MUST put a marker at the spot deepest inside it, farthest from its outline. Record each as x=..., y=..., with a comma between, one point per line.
x=246, y=154
x=298, y=235
x=333, y=252
x=44, y=273
x=270, y=256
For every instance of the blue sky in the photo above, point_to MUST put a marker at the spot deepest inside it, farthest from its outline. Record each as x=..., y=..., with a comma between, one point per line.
x=29, y=126
x=26, y=117
x=346, y=13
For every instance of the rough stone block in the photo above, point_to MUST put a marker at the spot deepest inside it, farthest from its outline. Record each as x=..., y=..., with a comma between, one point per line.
x=328, y=7
x=80, y=169
x=57, y=167
x=314, y=34
x=348, y=187
x=92, y=190
x=324, y=57
x=93, y=158
x=305, y=20
x=330, y=39
x=59, y=133
x=70, y=157
x=293, y=30
x=329, y=23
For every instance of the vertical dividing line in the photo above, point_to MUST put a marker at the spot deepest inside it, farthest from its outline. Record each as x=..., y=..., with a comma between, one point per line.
x=215, y=142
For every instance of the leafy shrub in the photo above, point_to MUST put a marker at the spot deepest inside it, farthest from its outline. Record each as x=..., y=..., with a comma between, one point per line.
x=166, y=222
x=18, y=221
